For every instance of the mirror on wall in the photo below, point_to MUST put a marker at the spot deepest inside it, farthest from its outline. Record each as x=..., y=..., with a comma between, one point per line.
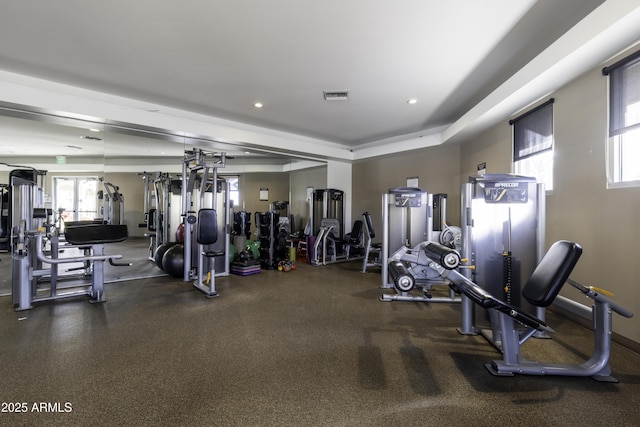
x=114, y=171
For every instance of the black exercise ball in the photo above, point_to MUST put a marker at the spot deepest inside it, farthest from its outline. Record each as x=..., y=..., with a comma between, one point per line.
x=173, y=261
x=160, y=251
x=245, y=256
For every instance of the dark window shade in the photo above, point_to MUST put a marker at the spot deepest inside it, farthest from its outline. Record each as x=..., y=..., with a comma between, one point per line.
x=533, y=131
x=624, y=95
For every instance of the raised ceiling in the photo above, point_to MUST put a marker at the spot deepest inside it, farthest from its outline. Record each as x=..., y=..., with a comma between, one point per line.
x=217, y=58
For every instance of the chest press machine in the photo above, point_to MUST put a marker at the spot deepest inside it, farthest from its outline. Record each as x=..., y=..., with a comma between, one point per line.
x=541, y=289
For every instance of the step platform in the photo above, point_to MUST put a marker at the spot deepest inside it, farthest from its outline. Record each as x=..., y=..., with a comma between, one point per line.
x=245, y=268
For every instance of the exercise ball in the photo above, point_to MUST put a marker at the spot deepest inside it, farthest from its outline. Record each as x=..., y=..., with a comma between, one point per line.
x=173, y=261
x=245, y=256
x=254, y=247
x=157, y=256
x=180, y=233
x=233, y=253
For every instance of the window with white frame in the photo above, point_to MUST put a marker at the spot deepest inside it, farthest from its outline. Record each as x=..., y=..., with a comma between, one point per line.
x=533, y=144
x=623, y=168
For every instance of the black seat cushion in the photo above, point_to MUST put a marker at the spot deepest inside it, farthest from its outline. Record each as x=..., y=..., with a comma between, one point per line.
x=93, y=234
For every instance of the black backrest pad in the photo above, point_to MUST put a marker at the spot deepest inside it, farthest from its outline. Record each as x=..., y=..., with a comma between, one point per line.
x=356, y=230
x=551, y=273
x=207, y=226
x=367, y=218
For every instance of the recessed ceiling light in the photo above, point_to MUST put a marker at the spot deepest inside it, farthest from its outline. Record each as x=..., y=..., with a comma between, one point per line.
x=412, y=101
x=258, y=105
x=94, y=130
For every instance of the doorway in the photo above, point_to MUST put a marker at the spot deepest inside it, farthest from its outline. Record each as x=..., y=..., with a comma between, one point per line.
x=75, y=199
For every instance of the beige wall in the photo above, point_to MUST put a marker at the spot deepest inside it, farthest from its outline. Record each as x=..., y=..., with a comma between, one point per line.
x=581, y=208
x=437, y=169
x=298, y=183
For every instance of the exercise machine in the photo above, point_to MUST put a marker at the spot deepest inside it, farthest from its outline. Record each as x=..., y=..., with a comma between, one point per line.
x=516, y=325
x=25, y=194
x=503, y=227
x=407, y=220
x=370, y=248
x=409, y=268
x=326, y=204
x=112, y=208
x=201, y=167
x=207, y=236
x=28, y=250
x=158, y=190
x=329, y=247
x=4, y=217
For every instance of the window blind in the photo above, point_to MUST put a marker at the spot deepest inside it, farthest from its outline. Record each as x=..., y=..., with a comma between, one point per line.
x=624, y=94
x=533, y=131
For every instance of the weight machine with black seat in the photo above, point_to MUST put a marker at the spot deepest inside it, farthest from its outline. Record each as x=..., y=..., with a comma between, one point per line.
x=201, y=166
x=503, y=239
x=517, y=325
x=328, y=248
x=207, y=236
x=370, y=248
x=28, y=250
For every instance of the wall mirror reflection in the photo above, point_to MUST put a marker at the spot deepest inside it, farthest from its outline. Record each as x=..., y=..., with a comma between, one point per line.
x=90, y=169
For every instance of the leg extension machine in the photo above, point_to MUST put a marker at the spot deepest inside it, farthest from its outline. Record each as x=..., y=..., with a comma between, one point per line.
x=540, y=290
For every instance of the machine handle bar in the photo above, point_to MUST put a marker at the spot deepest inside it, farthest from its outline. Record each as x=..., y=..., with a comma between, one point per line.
x=597, y=296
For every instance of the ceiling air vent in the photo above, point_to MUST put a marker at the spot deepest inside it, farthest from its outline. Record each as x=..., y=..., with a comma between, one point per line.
x=336, y=95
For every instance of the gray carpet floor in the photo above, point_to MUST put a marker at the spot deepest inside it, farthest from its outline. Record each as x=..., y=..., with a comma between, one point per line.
x=312, y=347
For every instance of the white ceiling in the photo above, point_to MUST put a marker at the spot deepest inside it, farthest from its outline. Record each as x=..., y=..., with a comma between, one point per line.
x=459, y=58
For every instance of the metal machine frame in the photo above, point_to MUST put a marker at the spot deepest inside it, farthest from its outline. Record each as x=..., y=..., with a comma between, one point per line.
x=196, y=161
x=517, y=325
x=407, y=223
x=490, y=203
